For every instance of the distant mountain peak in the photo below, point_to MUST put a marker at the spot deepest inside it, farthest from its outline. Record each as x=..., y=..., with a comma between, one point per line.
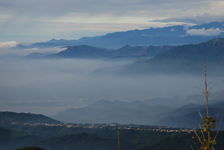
x=187, y=59
x=170, y=35
x=53, y=39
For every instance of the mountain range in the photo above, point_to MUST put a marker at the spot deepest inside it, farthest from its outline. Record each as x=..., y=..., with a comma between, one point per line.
x=142, y=112
x=187, y=59
x=85, y=51
x=210, y=51
x=188, y=116
x=114, y=112
x=148, y=112
x=171, y=35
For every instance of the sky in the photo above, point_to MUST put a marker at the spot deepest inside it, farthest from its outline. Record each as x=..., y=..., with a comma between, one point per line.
x=40, y=20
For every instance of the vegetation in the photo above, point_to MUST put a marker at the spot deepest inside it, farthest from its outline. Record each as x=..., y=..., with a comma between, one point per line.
x=206, y=139
x=31, y=148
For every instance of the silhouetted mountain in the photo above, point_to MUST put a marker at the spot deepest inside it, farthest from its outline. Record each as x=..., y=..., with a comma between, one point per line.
x=173, y=35
x=211, y=51
x=139, y=51
x=7, y=118
x=188, y=116
x=85, y=51
x=50, y=43
x=186, y=59
x=114, y=112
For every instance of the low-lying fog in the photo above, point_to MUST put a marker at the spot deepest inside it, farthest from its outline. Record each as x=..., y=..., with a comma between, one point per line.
x=49, y=86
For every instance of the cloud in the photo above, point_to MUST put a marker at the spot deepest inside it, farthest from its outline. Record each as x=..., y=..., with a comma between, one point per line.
x=27, y=19
x=8, y=44
x=198, y=19
x=91, y=8
x=205, y=32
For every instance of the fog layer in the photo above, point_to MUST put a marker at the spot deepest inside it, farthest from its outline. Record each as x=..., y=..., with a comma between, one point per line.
x=48, y=86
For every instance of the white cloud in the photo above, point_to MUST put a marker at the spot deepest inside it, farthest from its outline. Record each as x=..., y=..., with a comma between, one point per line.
x=31, y=20
x=8, y=44
x=205, y=32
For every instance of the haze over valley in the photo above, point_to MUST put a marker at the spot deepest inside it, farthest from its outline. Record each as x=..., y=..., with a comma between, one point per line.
x=106, y=75
x=52, y=83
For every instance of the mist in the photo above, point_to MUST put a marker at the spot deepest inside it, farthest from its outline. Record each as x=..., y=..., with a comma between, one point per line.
x=48, y=86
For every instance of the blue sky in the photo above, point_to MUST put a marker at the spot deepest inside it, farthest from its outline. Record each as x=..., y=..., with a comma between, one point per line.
x=39, y=20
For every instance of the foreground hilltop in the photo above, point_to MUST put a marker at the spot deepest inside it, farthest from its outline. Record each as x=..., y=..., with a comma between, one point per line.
x=25, y=118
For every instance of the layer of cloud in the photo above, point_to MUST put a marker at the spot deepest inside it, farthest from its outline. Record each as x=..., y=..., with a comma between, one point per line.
x=8, y=44
x=205, y=32
x=93, y=7
x=198, y=19
x=24, y=52
x=22, y=19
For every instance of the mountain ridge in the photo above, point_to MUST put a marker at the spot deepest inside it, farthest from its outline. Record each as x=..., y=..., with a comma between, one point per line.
x=114, y=112
x=188, y=116
x=171, y=35
x=86, y=51
x=7, y=118
x=185, y=59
